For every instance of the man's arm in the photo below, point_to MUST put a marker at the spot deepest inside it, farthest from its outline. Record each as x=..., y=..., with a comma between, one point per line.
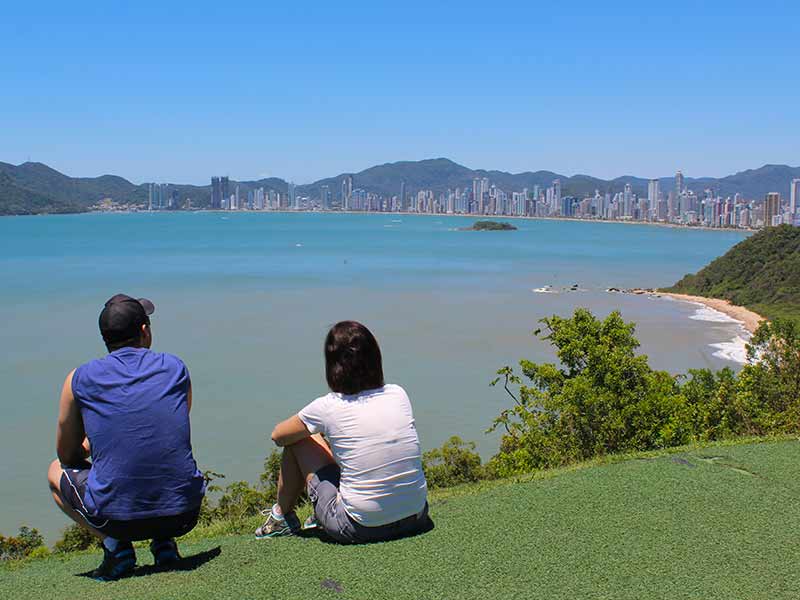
x=290, y=431
x=70, y=435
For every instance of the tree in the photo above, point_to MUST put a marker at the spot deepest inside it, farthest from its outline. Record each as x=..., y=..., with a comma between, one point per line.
x=601, y=399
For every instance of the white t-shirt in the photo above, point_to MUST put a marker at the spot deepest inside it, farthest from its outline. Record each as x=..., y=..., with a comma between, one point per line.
x=374, y=441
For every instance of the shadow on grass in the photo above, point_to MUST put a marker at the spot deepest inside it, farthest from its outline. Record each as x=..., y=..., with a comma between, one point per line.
x=186, y=563
x=320, y=534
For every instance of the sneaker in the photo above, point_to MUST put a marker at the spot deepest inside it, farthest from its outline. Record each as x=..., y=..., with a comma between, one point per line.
x=117, y=564
x=274, y=527
x=165, y=552
x=310, y=522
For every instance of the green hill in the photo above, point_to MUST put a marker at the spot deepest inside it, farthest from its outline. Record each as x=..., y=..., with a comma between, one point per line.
x=761, y=273
x=720, y=522
x=15, y=200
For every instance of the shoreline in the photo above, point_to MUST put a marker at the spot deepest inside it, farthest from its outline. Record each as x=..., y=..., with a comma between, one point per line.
x=747, y=231
x=749, y=319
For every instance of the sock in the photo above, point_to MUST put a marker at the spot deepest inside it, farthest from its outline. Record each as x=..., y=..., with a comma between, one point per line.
x=111, y=544
x=276, y=511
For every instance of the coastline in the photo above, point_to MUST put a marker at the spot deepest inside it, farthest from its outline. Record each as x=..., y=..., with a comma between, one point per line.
x=747, y=231
x=749, y=319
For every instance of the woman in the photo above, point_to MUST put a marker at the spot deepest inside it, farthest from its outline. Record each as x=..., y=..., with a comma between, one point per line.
x=366, y=482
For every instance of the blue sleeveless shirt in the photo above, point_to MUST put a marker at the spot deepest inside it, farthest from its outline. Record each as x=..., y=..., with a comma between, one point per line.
x=135, y=411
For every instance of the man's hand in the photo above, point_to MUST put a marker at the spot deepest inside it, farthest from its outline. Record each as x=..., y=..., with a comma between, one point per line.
x=290, y=431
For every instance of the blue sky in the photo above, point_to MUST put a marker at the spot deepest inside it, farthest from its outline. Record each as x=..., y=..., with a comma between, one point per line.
x=180, y=91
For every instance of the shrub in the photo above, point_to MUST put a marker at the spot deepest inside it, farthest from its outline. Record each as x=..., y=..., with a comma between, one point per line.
x=22, y=545
x=770, y=384
x=39, y=552
x=75, y=538
x=454, y=463
x=603, y=398
x=240, y=499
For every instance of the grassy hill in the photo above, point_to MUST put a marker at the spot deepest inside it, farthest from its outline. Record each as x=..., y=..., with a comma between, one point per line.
x=761, y=273
x=720, y=522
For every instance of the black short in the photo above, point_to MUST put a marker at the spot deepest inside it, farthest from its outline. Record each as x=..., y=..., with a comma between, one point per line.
x=73, y=488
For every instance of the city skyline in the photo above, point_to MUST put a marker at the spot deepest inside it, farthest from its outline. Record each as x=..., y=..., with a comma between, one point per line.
x=681, y=205
x=164, y=93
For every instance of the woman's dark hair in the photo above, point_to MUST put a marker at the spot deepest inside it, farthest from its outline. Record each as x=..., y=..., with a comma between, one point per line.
x=352, y=359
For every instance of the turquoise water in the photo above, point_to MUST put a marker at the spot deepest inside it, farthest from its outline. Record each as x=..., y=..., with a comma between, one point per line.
x=245, y=300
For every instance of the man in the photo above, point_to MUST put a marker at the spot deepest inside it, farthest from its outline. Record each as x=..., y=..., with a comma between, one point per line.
x=129, y=412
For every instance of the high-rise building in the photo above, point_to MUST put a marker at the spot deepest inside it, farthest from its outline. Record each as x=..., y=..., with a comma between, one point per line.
x=678, y=184
x=627, y=201
x=294, y=200
x=216, y=193
x=794, y=198
x=403, y=206
x=652, y=199
x=556, y=208
x=224, y=185
x=325, y=197
x=772, y=208
x=347, y=192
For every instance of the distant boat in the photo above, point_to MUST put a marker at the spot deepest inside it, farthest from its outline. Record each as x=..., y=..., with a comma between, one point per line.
x=548, y=289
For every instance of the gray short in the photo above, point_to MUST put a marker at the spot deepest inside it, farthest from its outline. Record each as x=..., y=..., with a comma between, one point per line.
x=323, y=489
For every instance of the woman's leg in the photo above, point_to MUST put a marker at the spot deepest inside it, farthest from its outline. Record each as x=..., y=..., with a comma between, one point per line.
x=300, y=461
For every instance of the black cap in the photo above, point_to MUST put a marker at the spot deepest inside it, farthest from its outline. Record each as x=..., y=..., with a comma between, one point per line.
x=123, y=316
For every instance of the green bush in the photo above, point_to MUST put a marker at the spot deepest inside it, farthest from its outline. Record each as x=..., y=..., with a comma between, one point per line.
x=240, y=500
x=39, y=552
x=605, y=399
x=454, y=463
x=21, y=545
x=75, y=538
x=770, y=384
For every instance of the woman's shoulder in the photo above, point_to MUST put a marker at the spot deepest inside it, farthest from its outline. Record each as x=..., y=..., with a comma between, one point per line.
x=394, y=390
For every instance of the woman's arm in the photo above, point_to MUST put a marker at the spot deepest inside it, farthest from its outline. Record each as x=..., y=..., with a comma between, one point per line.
x=290, y=431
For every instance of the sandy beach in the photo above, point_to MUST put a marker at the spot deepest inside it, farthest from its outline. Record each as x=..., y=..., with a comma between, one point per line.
x=747, y=317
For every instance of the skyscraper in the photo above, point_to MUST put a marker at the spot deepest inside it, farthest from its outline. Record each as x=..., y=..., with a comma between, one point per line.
x=652, y=199
x=325, y=197
x=772, y=208
x=347, y=192
x=403, y=206
x=627, y=201
x=293, y=199
x=678, y=184
x=794, y=198
x=216, y=193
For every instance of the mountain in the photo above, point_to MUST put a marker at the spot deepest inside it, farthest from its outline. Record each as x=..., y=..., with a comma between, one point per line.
x=761, y=273
x=36, y=188
x=15, y=200
x=439, y=174
x=32, y=188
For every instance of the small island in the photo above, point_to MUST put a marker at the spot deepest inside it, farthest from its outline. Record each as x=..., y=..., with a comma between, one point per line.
x=490, y=226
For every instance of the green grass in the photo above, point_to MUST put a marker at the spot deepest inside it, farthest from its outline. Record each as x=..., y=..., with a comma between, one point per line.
x=717, y=522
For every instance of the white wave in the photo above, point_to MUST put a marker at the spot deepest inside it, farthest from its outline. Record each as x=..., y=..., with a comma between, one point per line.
x=298, y=245
x=704, y=313
x=734, y=350
x=544, y=290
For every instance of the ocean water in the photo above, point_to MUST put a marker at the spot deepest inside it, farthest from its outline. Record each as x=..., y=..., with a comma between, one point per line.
x=246, y=299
